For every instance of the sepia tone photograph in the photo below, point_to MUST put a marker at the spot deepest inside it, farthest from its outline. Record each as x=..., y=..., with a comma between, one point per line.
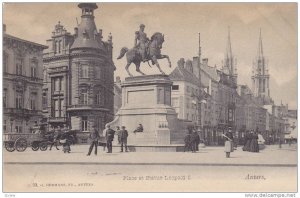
x=150, y=97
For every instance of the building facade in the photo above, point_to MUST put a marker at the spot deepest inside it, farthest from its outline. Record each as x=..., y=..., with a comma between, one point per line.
x=22, y=84
x=79, y=76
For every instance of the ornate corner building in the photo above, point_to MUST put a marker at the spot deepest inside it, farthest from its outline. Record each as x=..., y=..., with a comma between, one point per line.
x=22, y=84
x=79, y=76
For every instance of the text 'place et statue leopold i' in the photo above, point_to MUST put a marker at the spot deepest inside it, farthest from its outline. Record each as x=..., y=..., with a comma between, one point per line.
x=144, y=50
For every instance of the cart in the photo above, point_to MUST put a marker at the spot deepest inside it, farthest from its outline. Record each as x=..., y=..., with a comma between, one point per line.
x=20, y=141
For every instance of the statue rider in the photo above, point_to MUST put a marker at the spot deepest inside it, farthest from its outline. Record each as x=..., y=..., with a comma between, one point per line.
x=141, y=36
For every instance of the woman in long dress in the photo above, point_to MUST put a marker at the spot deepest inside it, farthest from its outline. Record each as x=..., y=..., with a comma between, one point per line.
x=248, y=138
x=228, y=143
x=254, y=143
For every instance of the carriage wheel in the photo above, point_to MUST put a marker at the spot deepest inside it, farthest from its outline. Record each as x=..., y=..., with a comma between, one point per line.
x=43, y=146
x=21, y=144
x=9, y=146
x=35, y=146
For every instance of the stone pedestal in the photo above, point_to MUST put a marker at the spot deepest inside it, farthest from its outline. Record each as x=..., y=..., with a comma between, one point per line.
x=146, y=100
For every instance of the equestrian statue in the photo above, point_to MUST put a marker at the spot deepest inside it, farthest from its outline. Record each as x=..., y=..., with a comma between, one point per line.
x=144, y=50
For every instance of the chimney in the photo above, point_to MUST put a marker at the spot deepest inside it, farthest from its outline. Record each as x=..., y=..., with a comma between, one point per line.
x=205, y=61
x=4, y=28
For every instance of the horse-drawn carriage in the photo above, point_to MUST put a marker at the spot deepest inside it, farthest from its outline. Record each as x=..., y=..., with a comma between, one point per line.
x=20, y=141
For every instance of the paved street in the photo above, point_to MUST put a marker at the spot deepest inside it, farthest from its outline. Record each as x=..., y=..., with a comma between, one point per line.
x=271, y=156
x=272, y=169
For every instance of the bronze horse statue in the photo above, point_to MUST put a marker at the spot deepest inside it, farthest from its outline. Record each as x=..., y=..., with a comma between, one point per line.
x=153, y=53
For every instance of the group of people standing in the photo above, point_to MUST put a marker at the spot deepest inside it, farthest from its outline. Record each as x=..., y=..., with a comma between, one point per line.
x=191, y=140
x=251, y=142
x=108, y=134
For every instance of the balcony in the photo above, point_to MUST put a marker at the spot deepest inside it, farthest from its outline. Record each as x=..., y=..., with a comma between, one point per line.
x=57, y=119
x=21, y=112
x=22, y=78
x=83, y=107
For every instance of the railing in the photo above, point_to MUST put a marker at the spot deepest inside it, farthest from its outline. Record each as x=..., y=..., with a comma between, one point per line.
x=57, y=119
x=85, y=106
x=27, y=78
x=21, y=111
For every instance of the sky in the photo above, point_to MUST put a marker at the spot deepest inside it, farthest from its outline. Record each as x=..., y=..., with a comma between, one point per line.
x=181, y=23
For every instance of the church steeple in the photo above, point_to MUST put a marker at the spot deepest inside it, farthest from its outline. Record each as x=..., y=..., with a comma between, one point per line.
x=229, y=61
x=260, y=53
x=260, y=74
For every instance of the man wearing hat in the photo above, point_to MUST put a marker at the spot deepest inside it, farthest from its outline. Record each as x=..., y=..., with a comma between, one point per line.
x=109, y=138
x=141, y=36
x=94, y=137
x=123, y=137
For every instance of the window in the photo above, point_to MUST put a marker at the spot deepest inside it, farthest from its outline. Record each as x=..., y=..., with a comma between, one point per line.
x=4, y=98
x=85, y=71
x=44, y=100
x=5, y=63
x=175, y=87
x=59, y=47
x=18, y=129
x=84, y=123
x=98, y=98
x=33, y=101
x=57, y=84
x=19, y=66
x=58, y=108
x=19, y=100
x=84, y=96
x=4, y=126
x=97, y=72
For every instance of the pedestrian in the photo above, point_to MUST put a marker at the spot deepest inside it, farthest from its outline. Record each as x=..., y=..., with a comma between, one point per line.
x=254, y=143
x=247, y=142
x=227, y=147
x=56, y=137
x=194, y=141
x=140, y=128
x=119, y=134
x=64, y=140
x=109, y=138
x=123, y=138
x=187, y=142
x=94, y=137
x=230, y=135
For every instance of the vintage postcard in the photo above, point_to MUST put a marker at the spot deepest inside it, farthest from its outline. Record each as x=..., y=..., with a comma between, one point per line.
x=150, y=97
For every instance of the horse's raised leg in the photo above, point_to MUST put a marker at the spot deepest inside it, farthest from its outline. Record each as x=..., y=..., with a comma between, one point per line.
x=167, y=57
x=157, y=64
x=127, y=66
x=138, y=68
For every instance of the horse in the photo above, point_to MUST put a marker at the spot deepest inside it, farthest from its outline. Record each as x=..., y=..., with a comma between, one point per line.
x=153, y=53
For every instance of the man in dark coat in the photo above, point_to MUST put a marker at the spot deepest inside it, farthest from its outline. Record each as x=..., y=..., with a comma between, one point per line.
x=248, y=138
x=109, y=138
x=123, y=138
x=195, y=139
x=94, y=137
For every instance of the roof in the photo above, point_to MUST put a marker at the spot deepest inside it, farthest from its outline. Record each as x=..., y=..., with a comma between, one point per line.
x=211, y=71
x=87, y=36
x=181, y=74
x=24, y=41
